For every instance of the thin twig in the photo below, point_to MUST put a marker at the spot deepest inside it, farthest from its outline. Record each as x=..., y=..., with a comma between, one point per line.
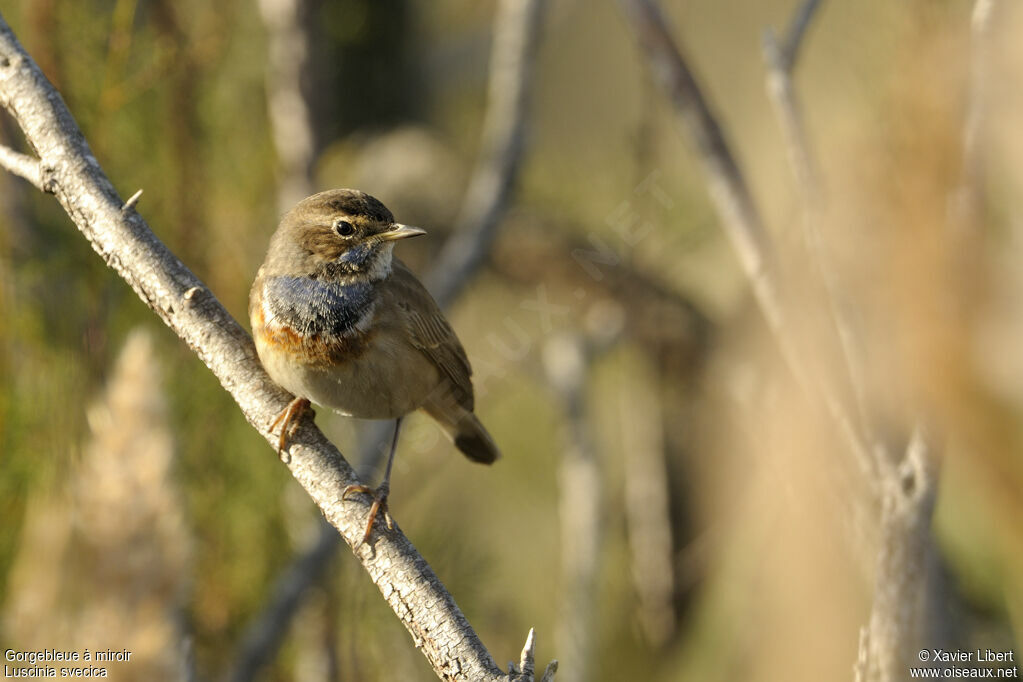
x=781, y=62
x=127, y=245
x=790, y=115
x=738, y=213
x=516, y=34
x=801, y=20
x=22, y=165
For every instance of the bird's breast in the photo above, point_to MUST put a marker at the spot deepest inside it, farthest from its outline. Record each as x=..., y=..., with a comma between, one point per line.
x=314, y=306
x=313, y=323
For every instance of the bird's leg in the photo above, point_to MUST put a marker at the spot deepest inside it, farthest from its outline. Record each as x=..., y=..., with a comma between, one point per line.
x=381, y=492
x=290, y=416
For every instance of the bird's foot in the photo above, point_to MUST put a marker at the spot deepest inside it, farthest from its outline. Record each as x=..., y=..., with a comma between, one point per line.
x=379, y=505
x=289, y=416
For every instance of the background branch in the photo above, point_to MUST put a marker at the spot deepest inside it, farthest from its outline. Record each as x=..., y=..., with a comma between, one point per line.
x=290, y=112
x=969, y=199
x=263, y=637
x=567, y=362
x=516, y=36
x=124, y=240
x=737, y=211
x=781, y=60
x=902, y=602
x=516, y=33
x=898, y=624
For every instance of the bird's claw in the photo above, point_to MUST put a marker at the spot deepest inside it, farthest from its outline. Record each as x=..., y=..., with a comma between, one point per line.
x=289, y=416
x=379, y=496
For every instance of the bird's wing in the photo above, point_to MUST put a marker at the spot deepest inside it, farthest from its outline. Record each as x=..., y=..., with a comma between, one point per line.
x=429, y=332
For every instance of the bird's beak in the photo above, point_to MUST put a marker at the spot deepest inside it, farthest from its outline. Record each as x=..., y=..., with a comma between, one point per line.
x=399, y=231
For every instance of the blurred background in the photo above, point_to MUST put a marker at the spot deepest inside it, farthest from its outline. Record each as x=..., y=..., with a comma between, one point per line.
x=670, y=504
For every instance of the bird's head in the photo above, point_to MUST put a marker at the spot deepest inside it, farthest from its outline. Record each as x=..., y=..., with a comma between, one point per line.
x=338, y=233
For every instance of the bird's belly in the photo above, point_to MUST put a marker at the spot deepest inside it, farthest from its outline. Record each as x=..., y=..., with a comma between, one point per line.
x=374, y=377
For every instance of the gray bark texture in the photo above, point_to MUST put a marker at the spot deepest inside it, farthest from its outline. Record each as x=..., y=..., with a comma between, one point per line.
x=65, y=167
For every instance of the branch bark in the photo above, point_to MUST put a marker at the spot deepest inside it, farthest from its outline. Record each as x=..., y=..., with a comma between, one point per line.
x=900, y=610
x=516, y=29
x=69, y=171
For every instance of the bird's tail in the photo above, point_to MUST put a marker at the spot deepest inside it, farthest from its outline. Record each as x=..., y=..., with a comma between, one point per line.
x=467, y=432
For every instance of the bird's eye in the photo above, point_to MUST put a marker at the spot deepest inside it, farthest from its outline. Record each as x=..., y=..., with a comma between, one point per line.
x=344, y=228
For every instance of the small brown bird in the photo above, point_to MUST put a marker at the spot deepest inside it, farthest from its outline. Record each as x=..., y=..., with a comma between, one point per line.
x=339, y=322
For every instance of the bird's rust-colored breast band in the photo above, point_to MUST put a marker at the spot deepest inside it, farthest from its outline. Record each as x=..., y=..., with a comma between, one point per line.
x=316, y=350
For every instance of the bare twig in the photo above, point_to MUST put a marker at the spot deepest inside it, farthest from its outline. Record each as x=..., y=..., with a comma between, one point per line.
x=781, y=61
x=516, y=34
x=905, y=599
x=125, y=242
x=527, y=662
x=22, y=165
x=133, y=201
x=737, y=211
x=801, y=20
x=780, y=64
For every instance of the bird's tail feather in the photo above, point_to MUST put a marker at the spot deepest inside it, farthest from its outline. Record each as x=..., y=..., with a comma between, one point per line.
x=468, y=433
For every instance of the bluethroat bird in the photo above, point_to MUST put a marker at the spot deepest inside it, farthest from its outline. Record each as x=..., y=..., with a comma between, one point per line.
x=340, y=322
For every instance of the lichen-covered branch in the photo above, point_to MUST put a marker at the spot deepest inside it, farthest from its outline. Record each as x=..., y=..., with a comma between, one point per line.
x=68, y=170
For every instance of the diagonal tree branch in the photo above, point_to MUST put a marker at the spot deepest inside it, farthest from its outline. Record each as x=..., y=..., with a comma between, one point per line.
x=516, y=29
x=781, y=62
x=118, y=233
x=738, y=213
x=781, y=59
x=801, y=20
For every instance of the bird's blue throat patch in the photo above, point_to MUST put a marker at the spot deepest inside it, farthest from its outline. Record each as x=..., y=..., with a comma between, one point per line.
x=315, y=307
